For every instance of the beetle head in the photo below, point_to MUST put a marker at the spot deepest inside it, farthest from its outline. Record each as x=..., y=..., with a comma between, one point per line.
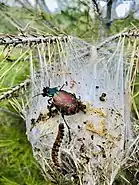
x=45, y=91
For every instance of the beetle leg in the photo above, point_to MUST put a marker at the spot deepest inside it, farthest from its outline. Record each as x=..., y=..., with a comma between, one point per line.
x=50, y=101
x=67, y=127
x=66, y=83
x=51, y=112
x=82, y=107
x=49, y=107
x=74, y=95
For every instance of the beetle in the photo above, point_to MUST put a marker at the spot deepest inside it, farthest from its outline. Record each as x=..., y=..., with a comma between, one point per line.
x=64, y=102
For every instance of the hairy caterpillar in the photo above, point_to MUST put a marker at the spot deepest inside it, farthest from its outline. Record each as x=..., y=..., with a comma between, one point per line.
x=56, y=145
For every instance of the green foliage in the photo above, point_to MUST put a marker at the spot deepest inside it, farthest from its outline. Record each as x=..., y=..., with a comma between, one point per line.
x=126, y=177
x=120, y=25
x=13, y=71
x=78, y=23
x=18, y=166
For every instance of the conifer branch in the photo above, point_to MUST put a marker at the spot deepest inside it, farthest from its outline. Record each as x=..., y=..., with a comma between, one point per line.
x=114, y=37
x=10, y=93
x=30, y=39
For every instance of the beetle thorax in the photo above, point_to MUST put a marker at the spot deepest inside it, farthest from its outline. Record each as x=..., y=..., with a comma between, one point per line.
x=50, y=92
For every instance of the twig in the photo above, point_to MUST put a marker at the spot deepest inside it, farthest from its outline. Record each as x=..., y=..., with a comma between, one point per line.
x=97, y=9
x=10, y=93
x=11, y=39
x=122, y=34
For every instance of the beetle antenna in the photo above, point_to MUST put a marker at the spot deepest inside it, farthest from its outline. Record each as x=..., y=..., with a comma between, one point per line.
x=37, y=95
x=66, y=83
x=62, y=87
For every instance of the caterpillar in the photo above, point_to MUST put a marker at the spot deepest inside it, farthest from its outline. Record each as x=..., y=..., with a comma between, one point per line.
x=56, y=145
